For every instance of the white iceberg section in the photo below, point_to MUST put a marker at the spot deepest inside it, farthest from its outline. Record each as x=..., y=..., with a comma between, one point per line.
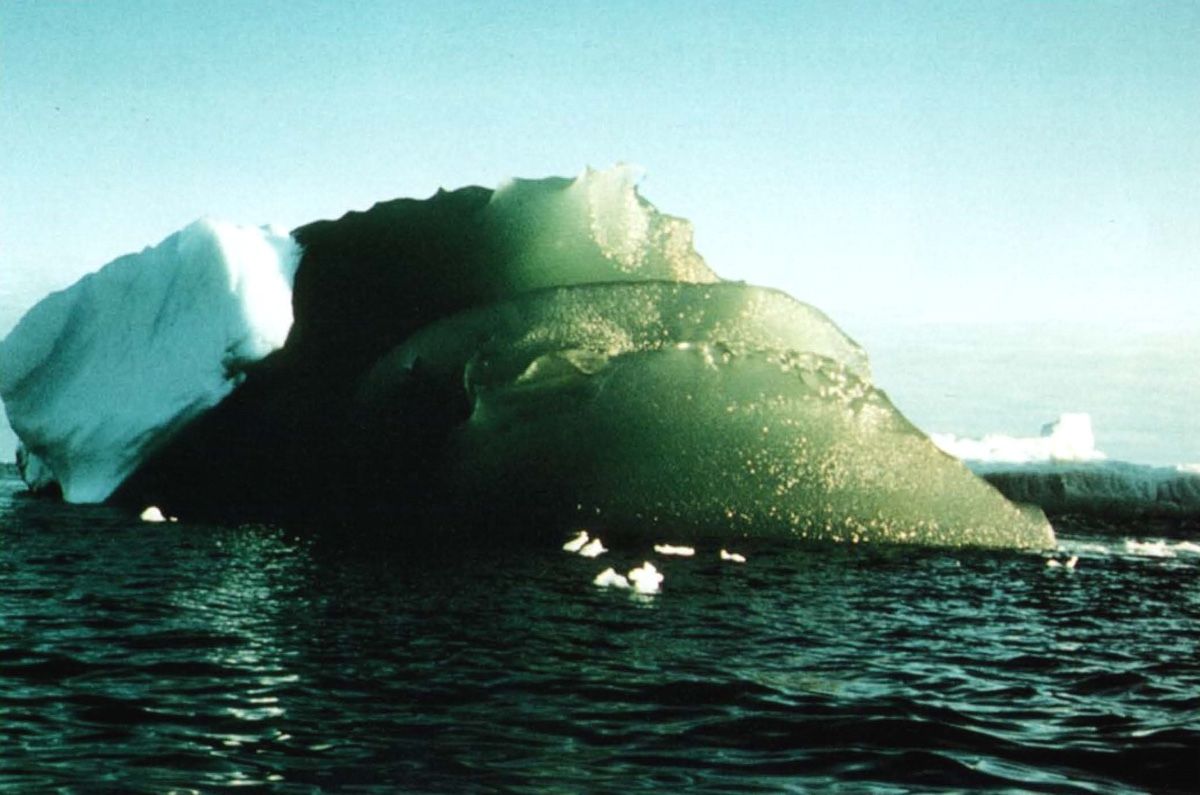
x=96, y=377
x=1069, y=438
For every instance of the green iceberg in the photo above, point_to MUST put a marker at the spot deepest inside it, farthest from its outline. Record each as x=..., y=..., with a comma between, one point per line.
x=550, y=353
x=690, y=409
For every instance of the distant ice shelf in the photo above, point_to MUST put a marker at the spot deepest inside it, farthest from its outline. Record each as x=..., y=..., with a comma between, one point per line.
x=1062, y=472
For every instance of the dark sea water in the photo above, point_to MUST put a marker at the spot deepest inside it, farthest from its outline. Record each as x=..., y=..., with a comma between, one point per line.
x=141, y=657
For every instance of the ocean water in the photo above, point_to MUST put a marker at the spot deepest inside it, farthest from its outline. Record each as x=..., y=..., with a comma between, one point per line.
x=140, y=657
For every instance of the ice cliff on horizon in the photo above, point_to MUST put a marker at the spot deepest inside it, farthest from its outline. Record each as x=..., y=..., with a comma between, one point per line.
x=552, y=350
x=1062, y=471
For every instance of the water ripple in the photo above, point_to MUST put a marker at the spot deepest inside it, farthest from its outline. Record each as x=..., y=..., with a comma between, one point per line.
x=138, y=658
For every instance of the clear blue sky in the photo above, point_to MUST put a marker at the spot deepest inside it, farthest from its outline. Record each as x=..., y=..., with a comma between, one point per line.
x=916, y=161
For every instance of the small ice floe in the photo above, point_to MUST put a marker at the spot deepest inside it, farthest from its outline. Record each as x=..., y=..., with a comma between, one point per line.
x=610, y=579
x=1069, y=563
x=669, y=549
x=646, y=578
x=576, y=543
x=592, y=549
x=732, y=557
x=152, y=514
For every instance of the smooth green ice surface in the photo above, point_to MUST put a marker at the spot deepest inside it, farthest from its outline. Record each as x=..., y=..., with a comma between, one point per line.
x=689, y=410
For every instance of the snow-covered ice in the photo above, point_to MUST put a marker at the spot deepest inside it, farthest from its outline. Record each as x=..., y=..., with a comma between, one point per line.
x=646, y=578
x=96, y=377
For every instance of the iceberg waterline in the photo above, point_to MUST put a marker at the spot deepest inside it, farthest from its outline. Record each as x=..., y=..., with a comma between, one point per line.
x=554, y=348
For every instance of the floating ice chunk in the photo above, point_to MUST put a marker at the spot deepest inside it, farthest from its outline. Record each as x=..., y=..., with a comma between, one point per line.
x=97, y=377
x=610, y=579
x=576, y=543
x=153, y=514
x=1069, y=438
x=1069, y=563
x=593, y=549
x=732, y=557
x=668, y=549
x=646, y=578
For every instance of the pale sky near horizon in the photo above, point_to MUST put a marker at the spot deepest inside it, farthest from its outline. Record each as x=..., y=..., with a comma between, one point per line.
x=885, y=161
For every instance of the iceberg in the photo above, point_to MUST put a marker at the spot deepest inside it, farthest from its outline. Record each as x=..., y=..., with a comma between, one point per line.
x=1069, y=438
x=97, y=377
x=553, y=350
